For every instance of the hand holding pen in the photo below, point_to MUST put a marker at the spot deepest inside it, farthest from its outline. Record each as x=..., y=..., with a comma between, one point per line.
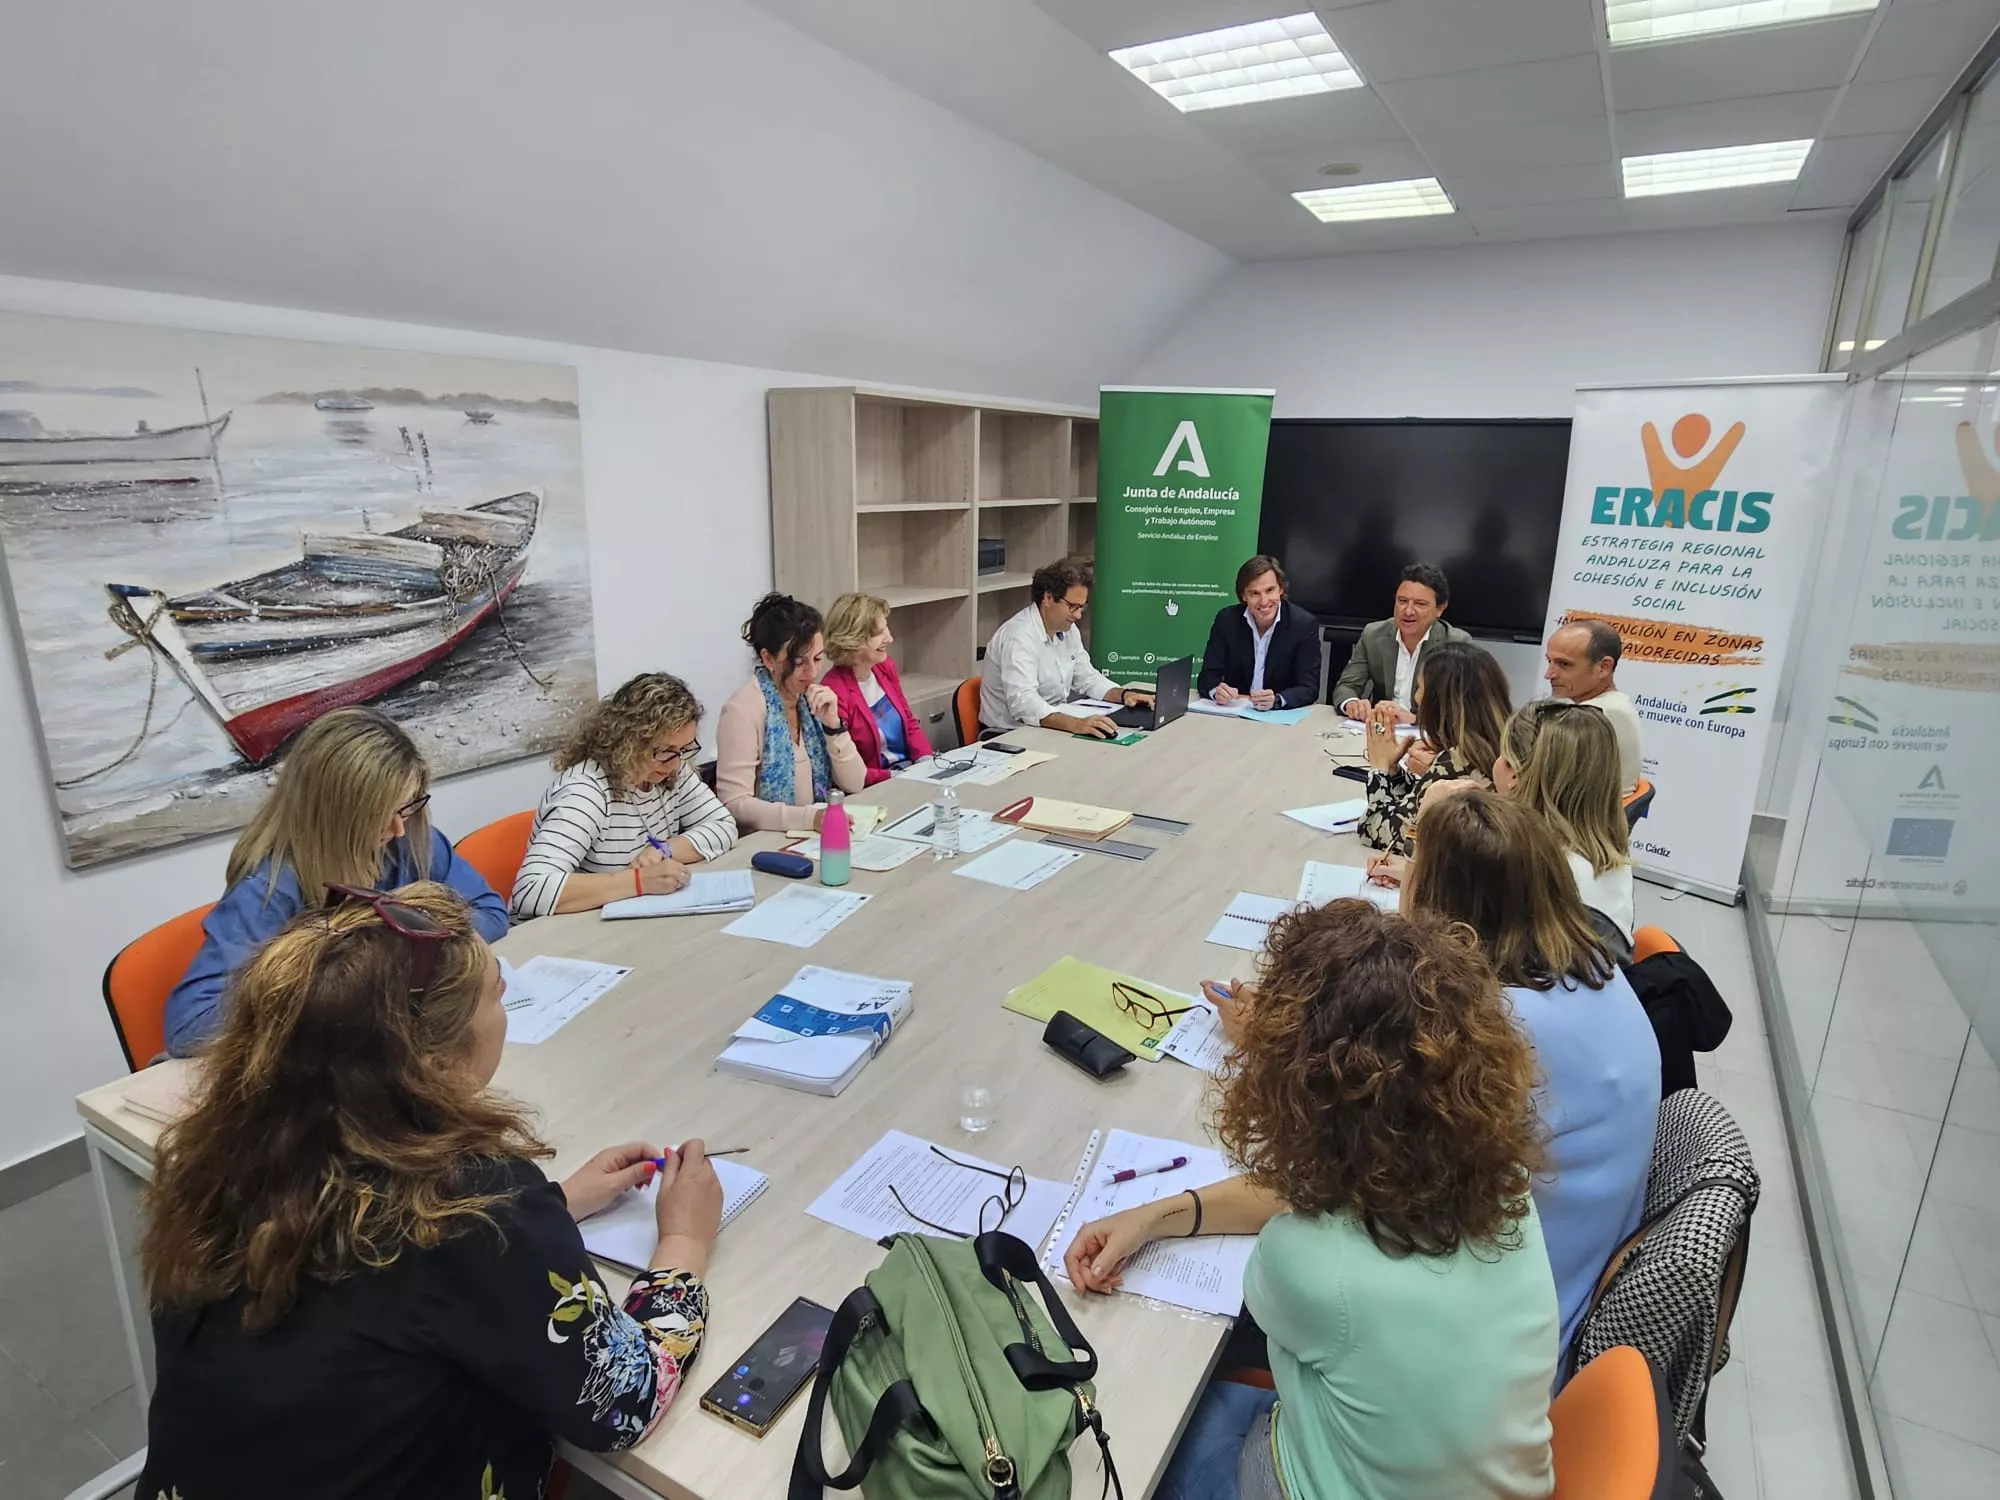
x=1232, y=1002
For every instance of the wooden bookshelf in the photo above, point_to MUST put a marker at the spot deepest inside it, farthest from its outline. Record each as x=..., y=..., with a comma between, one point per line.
x=890, y=491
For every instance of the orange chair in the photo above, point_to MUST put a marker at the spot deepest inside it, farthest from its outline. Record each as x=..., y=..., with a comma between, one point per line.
x=1647, y=941
x=1612, y=1438
x=496, y=851
x=1639, y=803
x=139, y=979
x=965, y=709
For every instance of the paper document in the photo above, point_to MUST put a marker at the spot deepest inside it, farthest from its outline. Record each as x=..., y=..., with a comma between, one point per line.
x=706, y=891
x=1019, y=866
x=1246, y=923
x=626, y=1232
x=978, y=765
x=1077, y=819
x=1331, y=817
x=1323, y=882
x=166, y=1091
x=876, y=852
x=1092, y=706
x=976, y=829
x=1085, y=991
x=798, y=916
x=545, y=994
x=1204, y=1273
x=1241, y=709
x=1197, y=1038
x=947, y=1189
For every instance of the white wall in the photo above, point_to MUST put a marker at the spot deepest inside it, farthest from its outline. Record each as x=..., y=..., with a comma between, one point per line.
x=1508, y=330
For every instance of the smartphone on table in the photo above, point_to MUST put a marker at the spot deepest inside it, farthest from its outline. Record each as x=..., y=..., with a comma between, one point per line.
x=758, y=1387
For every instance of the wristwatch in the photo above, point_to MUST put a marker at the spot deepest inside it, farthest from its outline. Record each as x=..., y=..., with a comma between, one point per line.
x=833, y=729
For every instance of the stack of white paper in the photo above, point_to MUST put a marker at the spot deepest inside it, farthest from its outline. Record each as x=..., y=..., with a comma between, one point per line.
x=1019, y=866
x=706, y=891
x=817, y=1033
x=544, y=994
x=626, y=1232
x=798, y=916
x=1322, y=883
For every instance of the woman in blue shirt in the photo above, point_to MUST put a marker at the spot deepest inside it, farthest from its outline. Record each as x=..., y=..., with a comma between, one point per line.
x=347, y=809
x=1487, y=861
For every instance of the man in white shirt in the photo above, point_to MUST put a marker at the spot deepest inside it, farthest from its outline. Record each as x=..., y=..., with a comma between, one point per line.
x=1036, y=662
x=1583, y=667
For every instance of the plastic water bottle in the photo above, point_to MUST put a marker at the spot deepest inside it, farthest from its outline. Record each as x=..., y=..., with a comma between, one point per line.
x=835, y=848
x=944, y=823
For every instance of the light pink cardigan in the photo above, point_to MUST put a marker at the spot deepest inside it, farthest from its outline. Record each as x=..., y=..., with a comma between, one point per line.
x=739, y=744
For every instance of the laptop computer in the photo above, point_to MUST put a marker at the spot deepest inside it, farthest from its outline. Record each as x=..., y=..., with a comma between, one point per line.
x=1170, y=698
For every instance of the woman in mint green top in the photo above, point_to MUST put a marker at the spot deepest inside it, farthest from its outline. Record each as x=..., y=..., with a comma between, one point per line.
x=1381, y=1103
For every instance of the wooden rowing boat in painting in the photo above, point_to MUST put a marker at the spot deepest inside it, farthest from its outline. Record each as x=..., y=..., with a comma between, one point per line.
x=195, y=442
x=357, y=614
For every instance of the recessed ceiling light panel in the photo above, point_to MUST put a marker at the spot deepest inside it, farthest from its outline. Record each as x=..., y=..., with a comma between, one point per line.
x=1718, y=167
x=1633, y=21
x=1278, y=59
x=1412, y=198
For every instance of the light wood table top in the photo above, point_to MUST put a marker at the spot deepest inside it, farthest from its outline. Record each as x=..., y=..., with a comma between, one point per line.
x=637, y=1064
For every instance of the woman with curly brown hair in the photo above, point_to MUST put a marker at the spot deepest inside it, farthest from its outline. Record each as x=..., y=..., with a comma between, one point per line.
x=361, y=1284
x=627, y=813
x=1379, y=1100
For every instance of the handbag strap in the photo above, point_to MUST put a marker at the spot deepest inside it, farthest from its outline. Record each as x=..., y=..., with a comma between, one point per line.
x=898, y=1404
x=1000, y=1256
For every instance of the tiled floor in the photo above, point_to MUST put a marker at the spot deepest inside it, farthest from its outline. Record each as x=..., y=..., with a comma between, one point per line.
x=66, y=1406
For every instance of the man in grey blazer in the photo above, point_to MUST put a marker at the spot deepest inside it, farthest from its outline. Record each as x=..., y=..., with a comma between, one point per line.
x=1383, y=665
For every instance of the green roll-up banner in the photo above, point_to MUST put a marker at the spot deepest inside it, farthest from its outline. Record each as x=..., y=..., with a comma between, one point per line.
x=1180, y=483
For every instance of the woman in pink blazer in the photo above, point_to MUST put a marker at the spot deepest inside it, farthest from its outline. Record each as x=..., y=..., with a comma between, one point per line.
x=864, y=682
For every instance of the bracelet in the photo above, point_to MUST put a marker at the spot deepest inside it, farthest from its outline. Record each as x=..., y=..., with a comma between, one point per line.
x=840, y=728
x=1197, y=1214
x=638, y=881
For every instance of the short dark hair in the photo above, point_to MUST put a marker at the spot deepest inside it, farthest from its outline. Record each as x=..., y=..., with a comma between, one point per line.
x=1255, y=569
x=1604, y=640
x=782, y=626
x=1431, y=576
x=1055, y=580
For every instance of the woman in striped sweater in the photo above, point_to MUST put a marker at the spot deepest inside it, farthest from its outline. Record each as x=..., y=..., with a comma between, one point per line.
x=626, y=815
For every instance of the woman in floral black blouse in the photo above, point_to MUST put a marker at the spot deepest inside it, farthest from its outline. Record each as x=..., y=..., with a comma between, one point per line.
x=1462, y=706
x=361, y=1283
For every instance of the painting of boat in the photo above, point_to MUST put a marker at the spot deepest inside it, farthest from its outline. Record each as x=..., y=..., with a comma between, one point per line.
x=195, y=442
x=343, y=403
x=479, y=416
x=358, y=613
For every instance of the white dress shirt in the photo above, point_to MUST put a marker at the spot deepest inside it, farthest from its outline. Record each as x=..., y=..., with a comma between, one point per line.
x=1029, y=674
x=1260, y=643
x=1406, y=670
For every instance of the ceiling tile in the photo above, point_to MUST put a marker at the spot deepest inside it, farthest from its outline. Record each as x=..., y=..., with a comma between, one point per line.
x=1840, y=171
x=1297, y=171
x=1396, y=234
x=1550, y=220
x=1914, y=40
x=1585, y=180
x=1555, y=89
x=1391, y=40
x=1322, y=123
x=1783, y=60
x=1106, y=24
x=1898, y=104
x=1506, y=148
x=1727, y=122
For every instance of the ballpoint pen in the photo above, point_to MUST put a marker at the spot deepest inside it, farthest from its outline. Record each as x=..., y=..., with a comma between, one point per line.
x=1126, y=1174
x=661, y=1161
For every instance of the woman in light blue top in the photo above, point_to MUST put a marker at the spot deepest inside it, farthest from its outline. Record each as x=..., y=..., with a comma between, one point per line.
x=1487, y=861
x=1381, y=1104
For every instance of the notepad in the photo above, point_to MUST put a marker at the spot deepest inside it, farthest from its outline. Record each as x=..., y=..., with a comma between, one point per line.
x=706, y=891
x=1247, y=921
x=626, y=1232
x=818, y=1032
x=1322, y=882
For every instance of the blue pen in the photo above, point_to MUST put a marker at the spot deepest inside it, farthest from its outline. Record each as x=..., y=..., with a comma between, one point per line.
x=661, y=1161
x=659, y=846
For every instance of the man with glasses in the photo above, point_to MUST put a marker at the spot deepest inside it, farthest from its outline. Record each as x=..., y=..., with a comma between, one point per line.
x=1036, y=661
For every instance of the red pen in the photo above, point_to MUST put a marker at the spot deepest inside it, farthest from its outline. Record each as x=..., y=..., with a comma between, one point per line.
x=1126, y=1174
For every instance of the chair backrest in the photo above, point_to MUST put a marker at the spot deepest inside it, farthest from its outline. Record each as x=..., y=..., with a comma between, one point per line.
x=1646, y=941
x=496, y=850
x=139, y=978
x=965, y=710
x=1639, y=803
x=1670, y=1290
x=1609, y=1435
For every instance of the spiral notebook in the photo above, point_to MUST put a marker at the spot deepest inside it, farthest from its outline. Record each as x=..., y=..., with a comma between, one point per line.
x=626, y=1232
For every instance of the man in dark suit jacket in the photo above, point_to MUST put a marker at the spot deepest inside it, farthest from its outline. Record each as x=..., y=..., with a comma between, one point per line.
x=1383, y=663
x=1267, y=651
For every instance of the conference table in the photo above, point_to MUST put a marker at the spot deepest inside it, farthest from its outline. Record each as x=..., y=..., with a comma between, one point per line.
x=637, y=1064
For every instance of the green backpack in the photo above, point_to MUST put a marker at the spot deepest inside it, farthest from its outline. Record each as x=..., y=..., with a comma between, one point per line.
x=942, y=1380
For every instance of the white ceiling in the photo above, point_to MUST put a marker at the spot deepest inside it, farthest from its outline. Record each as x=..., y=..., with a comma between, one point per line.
x=1517, y=106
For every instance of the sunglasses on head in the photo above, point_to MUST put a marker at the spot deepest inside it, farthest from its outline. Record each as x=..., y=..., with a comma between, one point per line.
x=418, y=929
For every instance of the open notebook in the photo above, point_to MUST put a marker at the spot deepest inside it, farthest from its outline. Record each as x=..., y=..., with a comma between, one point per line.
x=626, y=1232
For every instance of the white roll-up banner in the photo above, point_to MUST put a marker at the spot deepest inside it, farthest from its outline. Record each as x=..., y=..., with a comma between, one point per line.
x=1690, y=516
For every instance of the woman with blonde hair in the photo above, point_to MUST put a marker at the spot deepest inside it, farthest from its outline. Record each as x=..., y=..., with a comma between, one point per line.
x=627, y=813
x=348, y=808
x=361, y=1284
x=1488, y=862
x=865, y=684
x=1560, y=760
x=1380, y=1102
x=1461, y=708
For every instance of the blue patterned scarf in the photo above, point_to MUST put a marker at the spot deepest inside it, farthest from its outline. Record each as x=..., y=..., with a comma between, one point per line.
x=774, y=766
